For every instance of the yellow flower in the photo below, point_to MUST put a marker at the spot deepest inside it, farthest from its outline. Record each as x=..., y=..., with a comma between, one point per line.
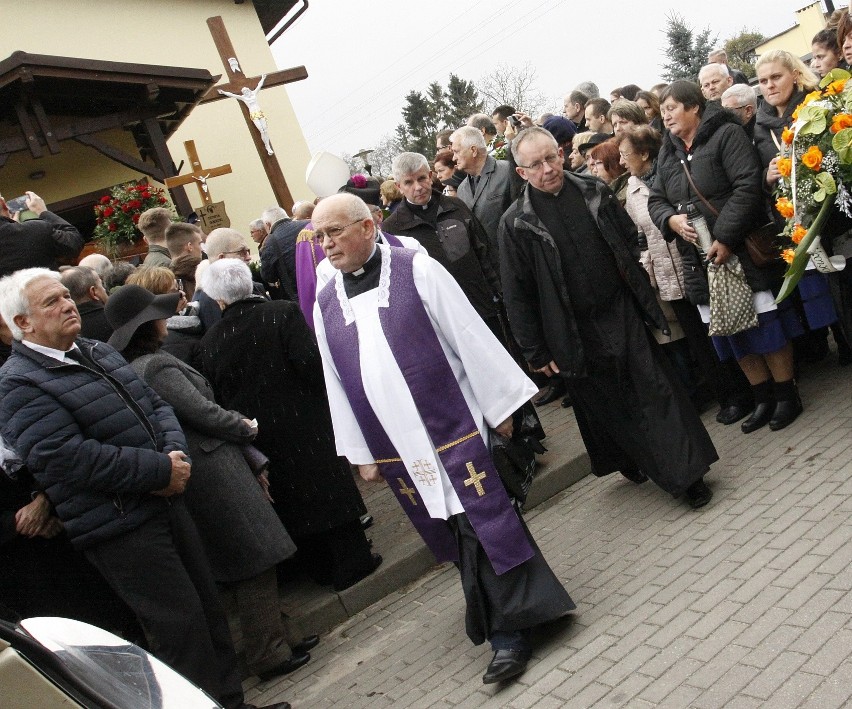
x=787, y=136
x=812, y=158
x=788, y=255
x=835, y=87
x=785, y=166
x=798, y=233
x=784, y=207
x=812, y=96
x=841, y=121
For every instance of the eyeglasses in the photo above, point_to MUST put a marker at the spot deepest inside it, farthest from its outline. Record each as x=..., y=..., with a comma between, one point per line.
x=624, y=155
x=335, y=231
x=552, y=160
x=243, y=252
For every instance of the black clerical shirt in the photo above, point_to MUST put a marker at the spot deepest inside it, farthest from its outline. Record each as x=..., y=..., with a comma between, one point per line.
x=365, y=278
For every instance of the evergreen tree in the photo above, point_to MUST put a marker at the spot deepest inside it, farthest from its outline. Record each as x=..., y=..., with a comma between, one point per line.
x=686, y=51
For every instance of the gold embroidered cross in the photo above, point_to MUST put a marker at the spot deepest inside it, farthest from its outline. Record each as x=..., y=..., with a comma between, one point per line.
x=474, y=479
x=409, y=492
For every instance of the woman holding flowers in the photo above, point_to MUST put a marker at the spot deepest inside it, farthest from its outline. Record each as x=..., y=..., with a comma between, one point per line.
x=786, y=83
x=713, y=146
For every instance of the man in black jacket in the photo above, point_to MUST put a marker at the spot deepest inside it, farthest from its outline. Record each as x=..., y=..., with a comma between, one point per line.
x=36, y=243
x=109, y=454
x=578, y=301
x=90, y=296
x=278, y=258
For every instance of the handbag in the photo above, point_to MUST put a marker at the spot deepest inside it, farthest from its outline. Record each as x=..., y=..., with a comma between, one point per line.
x=761, y=243
x=731, y=300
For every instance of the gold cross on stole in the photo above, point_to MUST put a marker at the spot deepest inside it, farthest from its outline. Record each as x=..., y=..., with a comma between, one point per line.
x=409, y=492
x=474, y=480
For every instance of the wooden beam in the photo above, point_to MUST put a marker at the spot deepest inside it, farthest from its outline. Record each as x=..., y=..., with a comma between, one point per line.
x=44, y=124
x=29, y=130
x=275, y=78
x=163, y=160
x=198, y=175
x=121, y=157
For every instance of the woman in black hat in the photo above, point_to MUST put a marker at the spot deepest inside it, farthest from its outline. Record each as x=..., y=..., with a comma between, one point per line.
x=227, y=495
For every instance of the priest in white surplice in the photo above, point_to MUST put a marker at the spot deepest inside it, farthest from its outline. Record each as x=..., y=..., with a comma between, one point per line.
x=416, y=384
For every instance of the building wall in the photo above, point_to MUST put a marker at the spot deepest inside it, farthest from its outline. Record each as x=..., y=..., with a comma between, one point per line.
x=797, y=39
x=172, y=33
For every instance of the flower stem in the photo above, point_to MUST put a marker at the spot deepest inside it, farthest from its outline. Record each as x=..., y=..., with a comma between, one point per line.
x=800, y=261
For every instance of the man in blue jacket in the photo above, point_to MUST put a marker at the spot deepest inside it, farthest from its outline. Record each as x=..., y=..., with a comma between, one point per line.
x=108, y=452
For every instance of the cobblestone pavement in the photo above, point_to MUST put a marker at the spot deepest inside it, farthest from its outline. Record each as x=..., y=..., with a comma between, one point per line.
x=746, y=603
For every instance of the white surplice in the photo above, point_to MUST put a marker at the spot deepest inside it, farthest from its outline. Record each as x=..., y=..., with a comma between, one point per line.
x=492, y=383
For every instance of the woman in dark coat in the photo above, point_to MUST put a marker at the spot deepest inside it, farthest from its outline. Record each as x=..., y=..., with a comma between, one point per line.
x=243, y=538
x=262, y=359
x=713, y=146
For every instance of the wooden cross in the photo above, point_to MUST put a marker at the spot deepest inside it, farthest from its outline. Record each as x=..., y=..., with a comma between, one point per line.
x=475, y=479
x=199, y=175
x=237, y=80
x=409, y=492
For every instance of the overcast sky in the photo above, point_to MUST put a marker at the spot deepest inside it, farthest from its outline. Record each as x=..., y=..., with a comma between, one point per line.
x=364, y=57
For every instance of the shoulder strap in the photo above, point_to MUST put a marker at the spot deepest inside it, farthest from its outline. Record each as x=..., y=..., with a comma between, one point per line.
x=695, y=189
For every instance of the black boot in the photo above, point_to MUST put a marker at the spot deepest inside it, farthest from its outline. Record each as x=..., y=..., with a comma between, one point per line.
x=555, y=390
x=789, y=405
x=764, y=407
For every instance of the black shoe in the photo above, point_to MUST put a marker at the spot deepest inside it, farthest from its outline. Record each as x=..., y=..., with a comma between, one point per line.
x=759, y=417
x=698, y=494
x=308, y=643
x=375, y=562
x=285, y=668
x=366, y=521
x=506, y=664
x=785, y=413
x=567, y=403
x=554, y=390
x=733, y=413
x=635, y=476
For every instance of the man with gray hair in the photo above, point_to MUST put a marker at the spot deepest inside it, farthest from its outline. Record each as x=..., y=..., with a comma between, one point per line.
x=494, y=144
x=714, y=79
x=278, y=260
x=90, y=297
x=153, y=224
x=718, y=55
x=258, y=233
x=222, y=243
x=742, y=100
x=590, y=88
x=487, y=189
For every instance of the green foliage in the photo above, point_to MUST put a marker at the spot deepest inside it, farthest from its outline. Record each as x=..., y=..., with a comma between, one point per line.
x=740, y=49
x=686, y=51
x=425, y=115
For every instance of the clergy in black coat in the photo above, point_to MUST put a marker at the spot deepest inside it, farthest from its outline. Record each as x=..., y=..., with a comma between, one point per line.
x=262, y=360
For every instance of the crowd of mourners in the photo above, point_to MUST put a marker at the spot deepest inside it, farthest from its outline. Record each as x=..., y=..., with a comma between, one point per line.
x=172, y=417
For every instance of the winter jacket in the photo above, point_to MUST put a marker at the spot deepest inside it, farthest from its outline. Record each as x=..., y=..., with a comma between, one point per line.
x=534, y=288
x=96, y=444
x=661, y=259
x=725, y=167
x=45, y=242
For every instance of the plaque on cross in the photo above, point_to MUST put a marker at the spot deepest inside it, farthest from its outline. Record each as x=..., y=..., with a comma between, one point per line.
x=475, y=479
x=255, y=120
x=199, y=175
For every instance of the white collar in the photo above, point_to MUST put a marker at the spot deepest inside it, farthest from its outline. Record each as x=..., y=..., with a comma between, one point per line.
x=49, y=351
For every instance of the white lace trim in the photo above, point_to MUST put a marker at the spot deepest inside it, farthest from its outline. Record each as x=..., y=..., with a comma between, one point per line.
x=384, y=277
x=348, y=315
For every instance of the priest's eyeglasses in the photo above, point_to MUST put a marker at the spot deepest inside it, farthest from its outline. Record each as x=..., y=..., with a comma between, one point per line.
x=335, y=231
x=552, y=160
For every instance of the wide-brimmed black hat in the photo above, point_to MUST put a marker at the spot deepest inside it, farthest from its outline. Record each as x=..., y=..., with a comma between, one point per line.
x=130, y=306
x=594, y=139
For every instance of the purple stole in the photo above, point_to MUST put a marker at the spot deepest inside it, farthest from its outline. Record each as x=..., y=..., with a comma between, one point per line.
x=308, y=255
x=463, y=453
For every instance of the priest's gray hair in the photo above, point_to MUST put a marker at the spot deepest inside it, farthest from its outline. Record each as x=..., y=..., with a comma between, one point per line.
x=744, y=95
x=531, y=132
x=273, y=214
x=228, y=280
x=469, y=137
x=407, y=164
x=222, y=240
x=13, y=299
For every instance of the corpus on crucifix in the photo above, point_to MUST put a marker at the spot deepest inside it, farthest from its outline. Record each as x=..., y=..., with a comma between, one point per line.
x=249, y=98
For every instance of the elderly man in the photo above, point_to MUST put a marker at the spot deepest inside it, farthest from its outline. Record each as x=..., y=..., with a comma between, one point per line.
x=742, y=100
x=88, y=292
x=44, y=242
x=109, y=454
x=714, y=79
x=720, y=56
x=387, y=350
x=487, y=189
x=574, y=109
x=278, y=260
x=258, y=233
x=578, y=300
x=153, y=223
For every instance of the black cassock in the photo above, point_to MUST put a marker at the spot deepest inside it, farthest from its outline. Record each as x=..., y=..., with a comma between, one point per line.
x=631, y=409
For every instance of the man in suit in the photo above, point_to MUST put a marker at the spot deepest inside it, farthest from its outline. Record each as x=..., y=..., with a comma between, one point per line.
x=487, y=190
x=90, y=296
x=278, y=260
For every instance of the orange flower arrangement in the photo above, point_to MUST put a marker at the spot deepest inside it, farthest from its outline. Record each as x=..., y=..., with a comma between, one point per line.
x=841, y=121
x=788, y=255
x=812, y=158
x=784, y=207
x=785, y=166
x=798, y=233
x=787, y=136
x=835, y=87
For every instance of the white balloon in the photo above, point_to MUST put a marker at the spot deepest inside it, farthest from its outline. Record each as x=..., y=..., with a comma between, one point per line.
x=326, y=173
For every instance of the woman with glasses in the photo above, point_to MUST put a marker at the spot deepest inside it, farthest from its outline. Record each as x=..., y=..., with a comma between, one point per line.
x=709, y=143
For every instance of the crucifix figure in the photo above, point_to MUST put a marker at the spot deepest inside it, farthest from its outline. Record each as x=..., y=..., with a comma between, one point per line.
x=198, y=175
x=236, y=87
x=249, y=98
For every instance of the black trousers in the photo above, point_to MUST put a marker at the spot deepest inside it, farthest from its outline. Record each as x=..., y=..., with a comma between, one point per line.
x=160, y=571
